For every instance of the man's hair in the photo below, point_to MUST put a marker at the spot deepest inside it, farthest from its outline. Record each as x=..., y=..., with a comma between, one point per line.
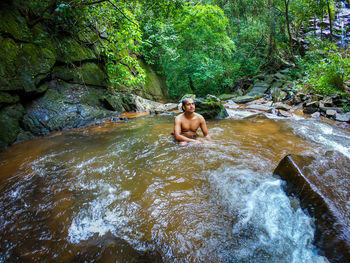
x=183, y=101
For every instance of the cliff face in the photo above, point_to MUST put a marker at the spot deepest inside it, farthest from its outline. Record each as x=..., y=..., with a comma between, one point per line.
x=36, y=59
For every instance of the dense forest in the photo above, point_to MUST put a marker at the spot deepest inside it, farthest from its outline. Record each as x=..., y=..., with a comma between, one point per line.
x=206, y=46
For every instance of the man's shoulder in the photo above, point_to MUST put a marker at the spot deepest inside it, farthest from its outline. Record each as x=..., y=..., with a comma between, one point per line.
x=199, y=116
x=179, y=117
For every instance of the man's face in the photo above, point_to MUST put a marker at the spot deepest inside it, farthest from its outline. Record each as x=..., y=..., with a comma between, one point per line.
x=189, y=105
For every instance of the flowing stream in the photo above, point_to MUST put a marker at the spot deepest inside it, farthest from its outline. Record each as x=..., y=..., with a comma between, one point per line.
x=125, y=192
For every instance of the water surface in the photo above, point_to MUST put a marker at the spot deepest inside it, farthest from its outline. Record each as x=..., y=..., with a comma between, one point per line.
x=125, y=192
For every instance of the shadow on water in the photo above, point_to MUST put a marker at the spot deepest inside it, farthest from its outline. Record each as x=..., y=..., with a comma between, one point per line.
x=126, y=192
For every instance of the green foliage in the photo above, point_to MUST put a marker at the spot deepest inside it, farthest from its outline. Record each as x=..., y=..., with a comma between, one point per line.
x=121, y=46
x=324, y=68
x=193, y=50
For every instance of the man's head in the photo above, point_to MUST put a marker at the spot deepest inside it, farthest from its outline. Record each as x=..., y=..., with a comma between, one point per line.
x=188, y=105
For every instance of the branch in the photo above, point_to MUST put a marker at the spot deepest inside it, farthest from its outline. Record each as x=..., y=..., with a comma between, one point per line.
x=116, y=7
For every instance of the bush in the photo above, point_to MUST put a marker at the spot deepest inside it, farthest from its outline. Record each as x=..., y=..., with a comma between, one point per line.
x=324, y=68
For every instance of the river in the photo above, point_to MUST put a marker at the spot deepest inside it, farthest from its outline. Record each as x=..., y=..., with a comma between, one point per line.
x=125, y=192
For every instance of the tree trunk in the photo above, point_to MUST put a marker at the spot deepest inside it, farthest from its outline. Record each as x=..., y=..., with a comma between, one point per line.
x=330, y=20
x=286, y=3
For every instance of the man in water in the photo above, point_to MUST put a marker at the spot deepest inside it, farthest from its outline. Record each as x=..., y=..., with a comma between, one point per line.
x=187, y=124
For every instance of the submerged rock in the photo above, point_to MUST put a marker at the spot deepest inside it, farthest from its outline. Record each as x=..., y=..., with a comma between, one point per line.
x=322, y=186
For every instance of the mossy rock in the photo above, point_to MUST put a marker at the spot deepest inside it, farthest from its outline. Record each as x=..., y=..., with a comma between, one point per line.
x=8, y=55
x=155, y=87
x=114, y=102
x=10, y=124
x=12, y=23
x=88, y=74
x=34, y=64
x=29, y=65
x=92, y=74
x=210, y=107
x=69, y=50
x=191, y=96
x=6, y=98
x=87, y=35
x=227, y=96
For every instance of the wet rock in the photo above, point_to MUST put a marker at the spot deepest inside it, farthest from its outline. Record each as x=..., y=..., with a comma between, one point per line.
x=109, y=248
x=231, y=105
x=316, y=115
x=321, y=183
x=336, y=109
x=260, y=107
x=65, y=108
x=282, y=106
x=343, y=117
x=10, y=124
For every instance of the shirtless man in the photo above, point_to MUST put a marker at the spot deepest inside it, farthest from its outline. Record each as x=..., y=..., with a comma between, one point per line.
x=187, y=124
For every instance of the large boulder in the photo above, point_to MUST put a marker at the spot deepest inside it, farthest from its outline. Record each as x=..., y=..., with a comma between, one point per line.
x=322, y=185
x=66, y=107
x=10, y=124
x=88, y=73
x=13, y=24
x=24, y=67
x=210, y=107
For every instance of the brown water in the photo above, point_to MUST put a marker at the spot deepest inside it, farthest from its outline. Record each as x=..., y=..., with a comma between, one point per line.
x=125, y=192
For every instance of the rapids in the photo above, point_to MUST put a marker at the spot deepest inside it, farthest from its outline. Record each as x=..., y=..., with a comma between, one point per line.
x=125, y=192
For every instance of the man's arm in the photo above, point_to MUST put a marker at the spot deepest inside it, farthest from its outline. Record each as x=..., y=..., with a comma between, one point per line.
x=204, y=129
x=177, y=131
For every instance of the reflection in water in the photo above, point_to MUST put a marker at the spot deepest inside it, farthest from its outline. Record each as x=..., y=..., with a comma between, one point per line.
x=126, y=192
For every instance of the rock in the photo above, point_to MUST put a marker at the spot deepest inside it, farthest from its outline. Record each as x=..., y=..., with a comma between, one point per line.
x=279, y=75
x=65, y=108
x=68, y=50
x=311, y=107
x=191, y=96
x=258, y=89
x=231, y=105
x=331, y=113
x=113, y=102
x=260, y=107
x=244, y=99
x=13, y=23
x=210, y=107
x=343, y=117
x=171, y=106
x=6, y=98
x=277, y=94
x=226, y=96
x=321, y=183
x=131, y=102
x=277, y=85
x=155, y=87
x=282, y=106
x=316, y=115
x=32, y=64
x=10, y=124
x=337, y=109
